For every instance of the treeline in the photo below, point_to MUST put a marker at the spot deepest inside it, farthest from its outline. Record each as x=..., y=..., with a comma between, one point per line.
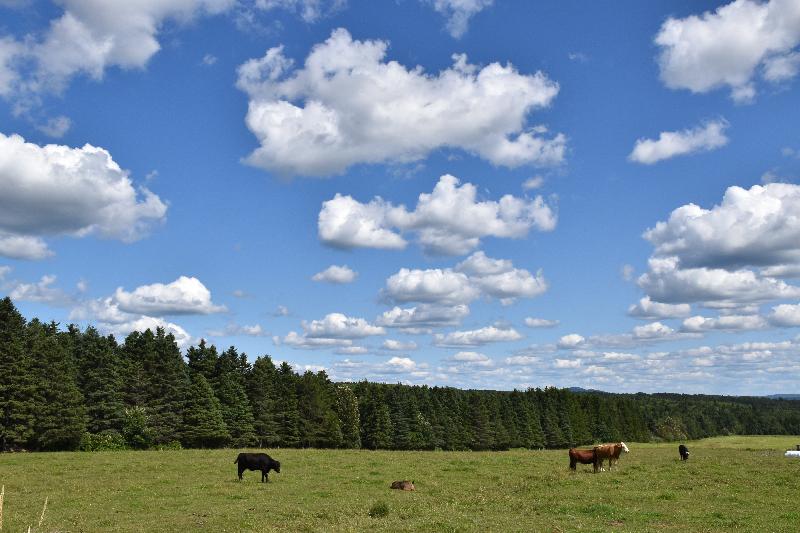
x=71, y=389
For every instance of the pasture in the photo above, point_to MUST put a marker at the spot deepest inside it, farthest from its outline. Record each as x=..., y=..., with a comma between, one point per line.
x=728, y=484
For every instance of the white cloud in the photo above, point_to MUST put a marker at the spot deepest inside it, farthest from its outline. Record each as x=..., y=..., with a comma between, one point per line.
x=54, y=189
x=670, y=144
x=439, y=286
x=398, y=346
x=339, y=326
x=143, y=323
x=725, y=323
x=477, y=337
x=347, y=105
x=458, y=13
x=535, y=182
x=352, y=350
x=650, y=310
x=540, y=323
x=336, y=274
x=521, y=360
x=566, y=363
x=184, y=296
x=448, y=221
x=209, y=59
x=785, y=315
x=42, y=292
x=759, y=226
x=281, y=310
x=23, y=247
x=573, y=340
x=235, y=330
x=400, y=364
x=424, y=316
x=55, y=127
x=726, y=47
x=309, y=10
x=472, y=358
x=477, y=275
x=302, y=342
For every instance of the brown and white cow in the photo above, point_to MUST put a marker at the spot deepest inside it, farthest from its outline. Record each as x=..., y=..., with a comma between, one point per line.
x=610, y=452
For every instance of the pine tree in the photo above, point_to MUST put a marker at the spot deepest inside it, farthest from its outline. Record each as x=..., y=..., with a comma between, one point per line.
x=17, y=386
x=286, y=407
x=100, y=381
x=203, y=421
x=203, y=360
x=60, y=419
x=236, y=410
x=262, y=392
x=319, y=425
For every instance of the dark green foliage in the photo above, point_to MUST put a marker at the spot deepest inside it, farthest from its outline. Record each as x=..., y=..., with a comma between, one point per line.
x=263, y=395
x=60, y=417
x=61, y=390
x=17, y=384
x=99, y=379
x=204, y=426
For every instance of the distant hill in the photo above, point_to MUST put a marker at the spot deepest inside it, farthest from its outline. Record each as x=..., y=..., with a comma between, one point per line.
x=784, y=396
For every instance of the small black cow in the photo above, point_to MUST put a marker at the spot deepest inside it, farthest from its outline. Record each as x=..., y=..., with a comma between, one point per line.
x=684, y=451
x=257, y=461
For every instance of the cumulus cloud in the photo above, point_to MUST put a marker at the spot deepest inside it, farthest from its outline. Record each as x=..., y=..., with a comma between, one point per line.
x=336, y=274
x=339, y=326
x=448, y=221
x=110, y=319
x=348, y=105
x=398, y=346
x=540, y=322
x=725, y=323
x=731, y=255
x=184, y=296
x=42, y=292
x=58, y=190
x=785, y=315
x=566, y=363
x=303, y=342
x=535, y=182
x=670, y=144
x=573, y=340
x=477, y=337
x=235, y=330
x=521, y=360
x=478, y=275
x=458, y=13
x=472, y=358
x=650, y=310
x=423, y=317
x=727, y=47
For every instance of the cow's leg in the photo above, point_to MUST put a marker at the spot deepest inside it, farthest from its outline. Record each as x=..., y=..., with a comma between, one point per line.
x=240, y=473
x=264, y=476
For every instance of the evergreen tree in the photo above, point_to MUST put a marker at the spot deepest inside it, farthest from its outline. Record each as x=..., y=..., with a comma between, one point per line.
x=319, y=425
x=262, y=392
x=99, y=381
x=17, y=386
x=236, y=410
x=203, y=360
x=203, y=421
x=60, y=418
x=286, y=407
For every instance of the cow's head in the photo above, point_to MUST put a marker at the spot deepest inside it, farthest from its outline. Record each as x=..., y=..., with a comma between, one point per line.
x=276, y=465
x=624, y=448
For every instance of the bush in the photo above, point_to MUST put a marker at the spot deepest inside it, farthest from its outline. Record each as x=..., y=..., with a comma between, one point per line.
x=105, y=441
x=379, y=510
x=135, y=429
x=172, y=445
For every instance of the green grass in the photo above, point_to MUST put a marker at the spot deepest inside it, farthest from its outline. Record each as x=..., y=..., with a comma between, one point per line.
x=729, y=484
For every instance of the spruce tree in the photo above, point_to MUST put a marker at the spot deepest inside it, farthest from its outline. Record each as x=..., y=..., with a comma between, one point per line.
x=236, y=410
x=204, y=426
x=17, y=385
x=262, y=392
x=287, y=409
x=100, y=381
x=60, y=419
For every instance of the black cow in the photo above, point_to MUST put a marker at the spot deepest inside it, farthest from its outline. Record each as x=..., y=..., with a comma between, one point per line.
x=257, y=461
x=684, y=451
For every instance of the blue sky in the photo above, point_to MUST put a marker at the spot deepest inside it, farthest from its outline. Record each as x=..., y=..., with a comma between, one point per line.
x=477, y=193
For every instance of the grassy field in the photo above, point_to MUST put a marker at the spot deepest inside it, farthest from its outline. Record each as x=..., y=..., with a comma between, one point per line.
x=729, y=484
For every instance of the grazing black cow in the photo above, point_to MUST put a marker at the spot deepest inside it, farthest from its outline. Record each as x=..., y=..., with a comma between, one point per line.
x=684, y=451
x=257, y=461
